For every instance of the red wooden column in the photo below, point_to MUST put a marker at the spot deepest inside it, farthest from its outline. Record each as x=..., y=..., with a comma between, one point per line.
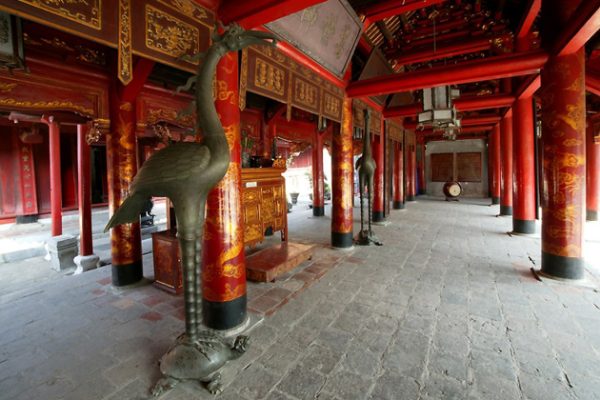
x=55, y=175
x=126, y=242
x=563, y=143
x=378, y=156
x=342, y=171
x=421, y=168
x=318, y=176
x=223, y=261
x=523, y=166
x=411, y=185
x=398, y=178
x=592, y=188
x=496, y=164
x=506, y=144
x=121, y=165
x=84, y=192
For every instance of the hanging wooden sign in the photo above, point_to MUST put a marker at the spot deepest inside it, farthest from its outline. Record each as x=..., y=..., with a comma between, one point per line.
x=268, y=72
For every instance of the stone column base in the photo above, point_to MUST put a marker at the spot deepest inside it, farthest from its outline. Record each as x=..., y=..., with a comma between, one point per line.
x=61, y=251
x=86, y=263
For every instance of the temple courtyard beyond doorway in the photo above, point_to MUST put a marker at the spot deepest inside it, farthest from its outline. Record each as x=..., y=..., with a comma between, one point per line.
x=447, y=308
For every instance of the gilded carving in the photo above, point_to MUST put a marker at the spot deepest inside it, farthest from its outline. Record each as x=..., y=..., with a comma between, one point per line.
x=243, y=79
x=7, y=87
x=125, y=56
x=84, y=12
x=169, y=35
x=269, y=77
x=190, y=9
x=47, y=105
x=156, y=115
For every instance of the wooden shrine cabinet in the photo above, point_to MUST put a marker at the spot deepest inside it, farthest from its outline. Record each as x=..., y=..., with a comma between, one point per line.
x=264, y=203
x=167, y=261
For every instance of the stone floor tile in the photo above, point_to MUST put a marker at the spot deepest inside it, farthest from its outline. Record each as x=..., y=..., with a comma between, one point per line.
x=442, y=387
x=348, y=385
x=301, y=383
x=537, y=388
x=391, y=386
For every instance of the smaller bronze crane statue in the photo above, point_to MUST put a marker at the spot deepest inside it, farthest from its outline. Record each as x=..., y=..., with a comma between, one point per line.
x=366, y=170
x=185, y=172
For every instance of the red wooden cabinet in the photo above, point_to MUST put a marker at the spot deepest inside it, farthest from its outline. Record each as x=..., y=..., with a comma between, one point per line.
x=167, y=262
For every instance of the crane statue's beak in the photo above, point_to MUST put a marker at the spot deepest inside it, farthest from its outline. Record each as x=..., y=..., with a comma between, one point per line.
x=259, y=38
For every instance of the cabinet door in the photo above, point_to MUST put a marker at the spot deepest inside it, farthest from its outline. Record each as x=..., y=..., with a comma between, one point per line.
x=266, y=207
x=252, y=215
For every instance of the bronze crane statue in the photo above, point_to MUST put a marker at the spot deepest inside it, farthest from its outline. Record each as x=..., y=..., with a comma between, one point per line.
x=185, y=172
x=366, y=170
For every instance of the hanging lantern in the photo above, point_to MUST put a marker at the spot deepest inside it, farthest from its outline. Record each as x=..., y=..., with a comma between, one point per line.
x=439, y=112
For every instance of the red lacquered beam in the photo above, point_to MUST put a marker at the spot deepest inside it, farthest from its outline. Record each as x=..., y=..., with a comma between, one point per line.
x=473, y=71
x=384, y=9
x=250, y=14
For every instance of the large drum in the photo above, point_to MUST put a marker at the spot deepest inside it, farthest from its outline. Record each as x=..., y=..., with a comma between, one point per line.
x=452, y=190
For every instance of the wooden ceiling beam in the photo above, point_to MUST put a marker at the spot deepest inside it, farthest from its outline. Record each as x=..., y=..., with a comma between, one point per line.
x=533, y=9
x=390, y=8
x=582, y=25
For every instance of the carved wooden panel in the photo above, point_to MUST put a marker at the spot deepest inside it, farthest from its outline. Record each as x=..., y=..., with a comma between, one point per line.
x=156, y=105
x=166, y=30
x=442, y=167
x=468, y=167
x=49, y=89
x=92, y=19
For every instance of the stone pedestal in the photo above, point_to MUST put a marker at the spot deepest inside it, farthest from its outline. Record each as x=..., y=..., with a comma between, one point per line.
x=85, y=263
x=62, y=250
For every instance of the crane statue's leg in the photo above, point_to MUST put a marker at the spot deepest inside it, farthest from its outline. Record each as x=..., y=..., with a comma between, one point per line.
x=369, y=194
x=198, y=261
x=186, y=212
x=360, y=191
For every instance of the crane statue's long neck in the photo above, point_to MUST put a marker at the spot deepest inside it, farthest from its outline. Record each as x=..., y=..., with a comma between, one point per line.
x=207, y=117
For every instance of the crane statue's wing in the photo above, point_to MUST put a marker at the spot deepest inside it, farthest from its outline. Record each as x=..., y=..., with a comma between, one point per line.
x=178, y=161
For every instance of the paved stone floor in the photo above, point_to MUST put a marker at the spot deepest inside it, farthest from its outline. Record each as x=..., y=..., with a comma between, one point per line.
x=446, y=309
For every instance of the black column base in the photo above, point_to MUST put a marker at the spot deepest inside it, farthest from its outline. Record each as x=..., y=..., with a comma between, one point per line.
x=341, y=240
x=505, y=210
x=318, y=211
x=495, y=200
x=398, y=205
x=127, y=274
x=224, y=315
x=562, y=267
x=410, y=198
x=591, y=215
x=422, y=191
x=378, y=216
x=523, y=225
